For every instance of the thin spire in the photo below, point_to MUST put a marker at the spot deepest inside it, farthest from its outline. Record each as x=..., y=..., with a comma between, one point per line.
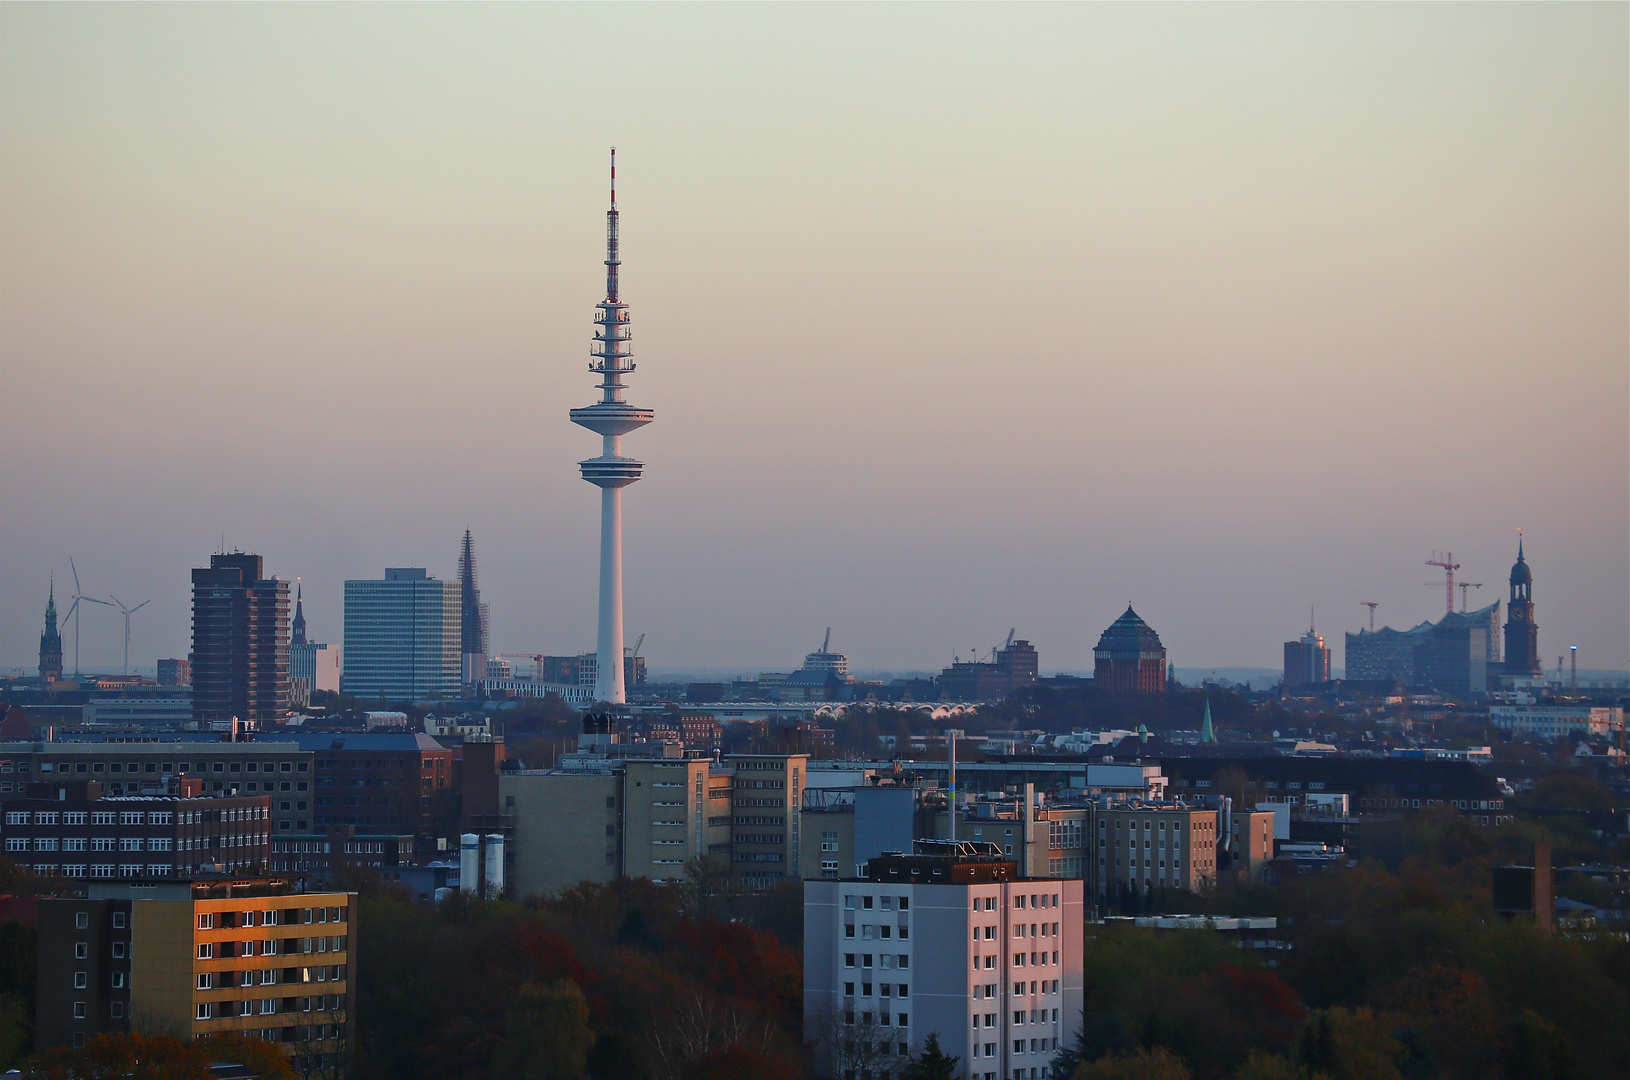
x=1519, y=543
x=297, y=629
x=612, y=260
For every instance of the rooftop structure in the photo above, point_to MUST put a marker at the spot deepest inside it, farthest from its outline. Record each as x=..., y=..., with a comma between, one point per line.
x=611, y=418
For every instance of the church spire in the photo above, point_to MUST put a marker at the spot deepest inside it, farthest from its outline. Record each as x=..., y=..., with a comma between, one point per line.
x=1208, y=733
x=297, y=629
x=51, y=639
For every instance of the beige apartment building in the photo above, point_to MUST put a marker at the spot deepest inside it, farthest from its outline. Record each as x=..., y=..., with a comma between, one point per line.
x=620, y=817
x=566, y=828
x=252, y=956
x=1253, y=843
x=1159, y=846
x=766, y=793
x=673, y=811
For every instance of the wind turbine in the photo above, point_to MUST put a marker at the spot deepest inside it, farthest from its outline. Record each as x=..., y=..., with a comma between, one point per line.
x=73, y=609
x=129, y=611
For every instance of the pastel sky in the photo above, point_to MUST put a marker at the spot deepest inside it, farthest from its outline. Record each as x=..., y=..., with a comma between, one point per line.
x=954, y=318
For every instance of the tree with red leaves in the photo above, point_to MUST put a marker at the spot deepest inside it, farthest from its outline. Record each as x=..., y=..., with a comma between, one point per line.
x=124, y=1057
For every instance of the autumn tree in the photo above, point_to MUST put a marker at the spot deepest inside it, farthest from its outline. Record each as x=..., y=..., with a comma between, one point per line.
x=124, y=1057
x=1156, y=1064
x=546, y=1034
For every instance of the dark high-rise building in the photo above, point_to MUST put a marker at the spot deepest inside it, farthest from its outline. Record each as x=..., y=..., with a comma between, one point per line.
x=1129, y=658
x=1307, y=661
x=240, y=641
x=472, y=616
x=1521, y=631
x=51, y=640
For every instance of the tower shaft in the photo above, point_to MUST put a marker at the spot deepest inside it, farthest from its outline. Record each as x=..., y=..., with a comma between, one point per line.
x=608, y=679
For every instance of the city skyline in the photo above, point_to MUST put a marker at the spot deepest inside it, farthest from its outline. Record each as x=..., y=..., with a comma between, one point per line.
x=1324, y=290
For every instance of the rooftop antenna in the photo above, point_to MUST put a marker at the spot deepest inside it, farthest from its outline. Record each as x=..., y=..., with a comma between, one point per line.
x=73, y=609
x=129, y=611
x=1372, y=605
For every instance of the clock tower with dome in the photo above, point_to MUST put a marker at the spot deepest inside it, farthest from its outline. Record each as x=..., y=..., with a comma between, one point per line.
x=1521, y=632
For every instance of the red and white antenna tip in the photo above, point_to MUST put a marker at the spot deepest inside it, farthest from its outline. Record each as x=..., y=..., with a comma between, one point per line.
x=614, y=178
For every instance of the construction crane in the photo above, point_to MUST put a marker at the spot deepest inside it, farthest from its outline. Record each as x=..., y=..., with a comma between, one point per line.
x=633, y=654
x=1447, y=562
x=536, y=658
x=1464, y=585
x=826, y=642
x=1372, y=605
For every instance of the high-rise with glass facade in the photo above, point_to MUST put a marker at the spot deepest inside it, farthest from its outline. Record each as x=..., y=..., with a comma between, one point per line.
x=402, y=637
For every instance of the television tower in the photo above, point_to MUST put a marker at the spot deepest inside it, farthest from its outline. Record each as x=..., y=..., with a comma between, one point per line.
x=611, y=418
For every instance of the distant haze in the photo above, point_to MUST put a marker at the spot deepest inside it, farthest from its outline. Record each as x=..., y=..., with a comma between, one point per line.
x=955, y=318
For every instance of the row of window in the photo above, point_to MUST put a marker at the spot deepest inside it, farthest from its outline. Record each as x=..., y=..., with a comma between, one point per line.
x=885, y=961
x=1044, y=986
x=105, y=870
x=886, y=903
x=227, y=980
x=214, y=950
x=1019, y=960
x=1020, y=930
x=97, y=817
x=1020, y=901
x=1132, y=826
x=283, y=916
x=1037, y=1046
x=209, y=1010
x=868, y=932
x=1021, y=1016
x=79, y=843
x=169, y=768
x=883, y=1020
x=883, y=989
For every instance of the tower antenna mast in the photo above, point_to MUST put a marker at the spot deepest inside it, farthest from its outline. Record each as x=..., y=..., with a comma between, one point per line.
x=611, y=418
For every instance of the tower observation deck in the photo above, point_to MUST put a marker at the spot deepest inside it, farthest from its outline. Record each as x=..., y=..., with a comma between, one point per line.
x=611, y=418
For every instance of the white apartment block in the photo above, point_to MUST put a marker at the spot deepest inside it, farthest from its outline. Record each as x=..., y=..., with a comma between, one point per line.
x=1551, y=721
x=946, y=941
